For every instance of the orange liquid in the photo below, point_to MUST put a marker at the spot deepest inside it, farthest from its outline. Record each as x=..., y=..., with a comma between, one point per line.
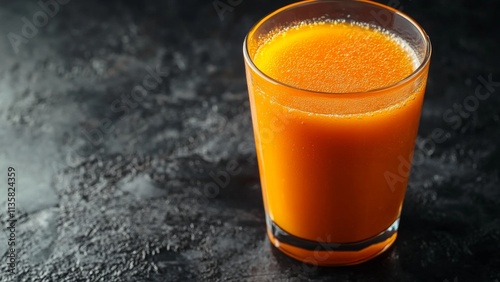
x=323, y=158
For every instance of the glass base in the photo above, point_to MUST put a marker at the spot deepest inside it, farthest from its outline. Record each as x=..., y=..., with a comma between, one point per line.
x=328, y=253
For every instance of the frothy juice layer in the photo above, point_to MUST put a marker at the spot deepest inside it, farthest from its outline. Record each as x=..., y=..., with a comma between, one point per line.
x=335, y=57
x=334, y=167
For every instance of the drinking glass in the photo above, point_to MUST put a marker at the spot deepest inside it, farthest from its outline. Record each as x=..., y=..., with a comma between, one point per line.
x=334, y=166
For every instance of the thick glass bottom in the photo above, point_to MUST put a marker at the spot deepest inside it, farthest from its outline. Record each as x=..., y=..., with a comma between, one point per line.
x=330, y=253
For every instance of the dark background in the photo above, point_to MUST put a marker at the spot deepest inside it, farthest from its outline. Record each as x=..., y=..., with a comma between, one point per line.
x=115, y=184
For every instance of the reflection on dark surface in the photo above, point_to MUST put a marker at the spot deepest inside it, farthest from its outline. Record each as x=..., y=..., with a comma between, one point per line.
x=121, y=116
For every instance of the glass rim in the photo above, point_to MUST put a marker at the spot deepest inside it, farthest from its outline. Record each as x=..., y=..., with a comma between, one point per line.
x=422, y=65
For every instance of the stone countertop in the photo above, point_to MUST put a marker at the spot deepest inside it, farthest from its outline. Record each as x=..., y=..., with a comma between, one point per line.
x=116, y=115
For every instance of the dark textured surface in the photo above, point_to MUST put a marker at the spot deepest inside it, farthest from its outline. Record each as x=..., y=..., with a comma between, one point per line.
x=113, y=182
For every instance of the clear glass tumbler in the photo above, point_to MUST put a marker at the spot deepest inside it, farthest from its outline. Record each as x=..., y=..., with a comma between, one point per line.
x=334, y=166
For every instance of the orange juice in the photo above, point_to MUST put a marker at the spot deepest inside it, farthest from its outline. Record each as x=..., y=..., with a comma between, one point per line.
x=331, y=135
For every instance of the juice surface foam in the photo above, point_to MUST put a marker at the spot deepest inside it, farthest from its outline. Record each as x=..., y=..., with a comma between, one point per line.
x=336, y=57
